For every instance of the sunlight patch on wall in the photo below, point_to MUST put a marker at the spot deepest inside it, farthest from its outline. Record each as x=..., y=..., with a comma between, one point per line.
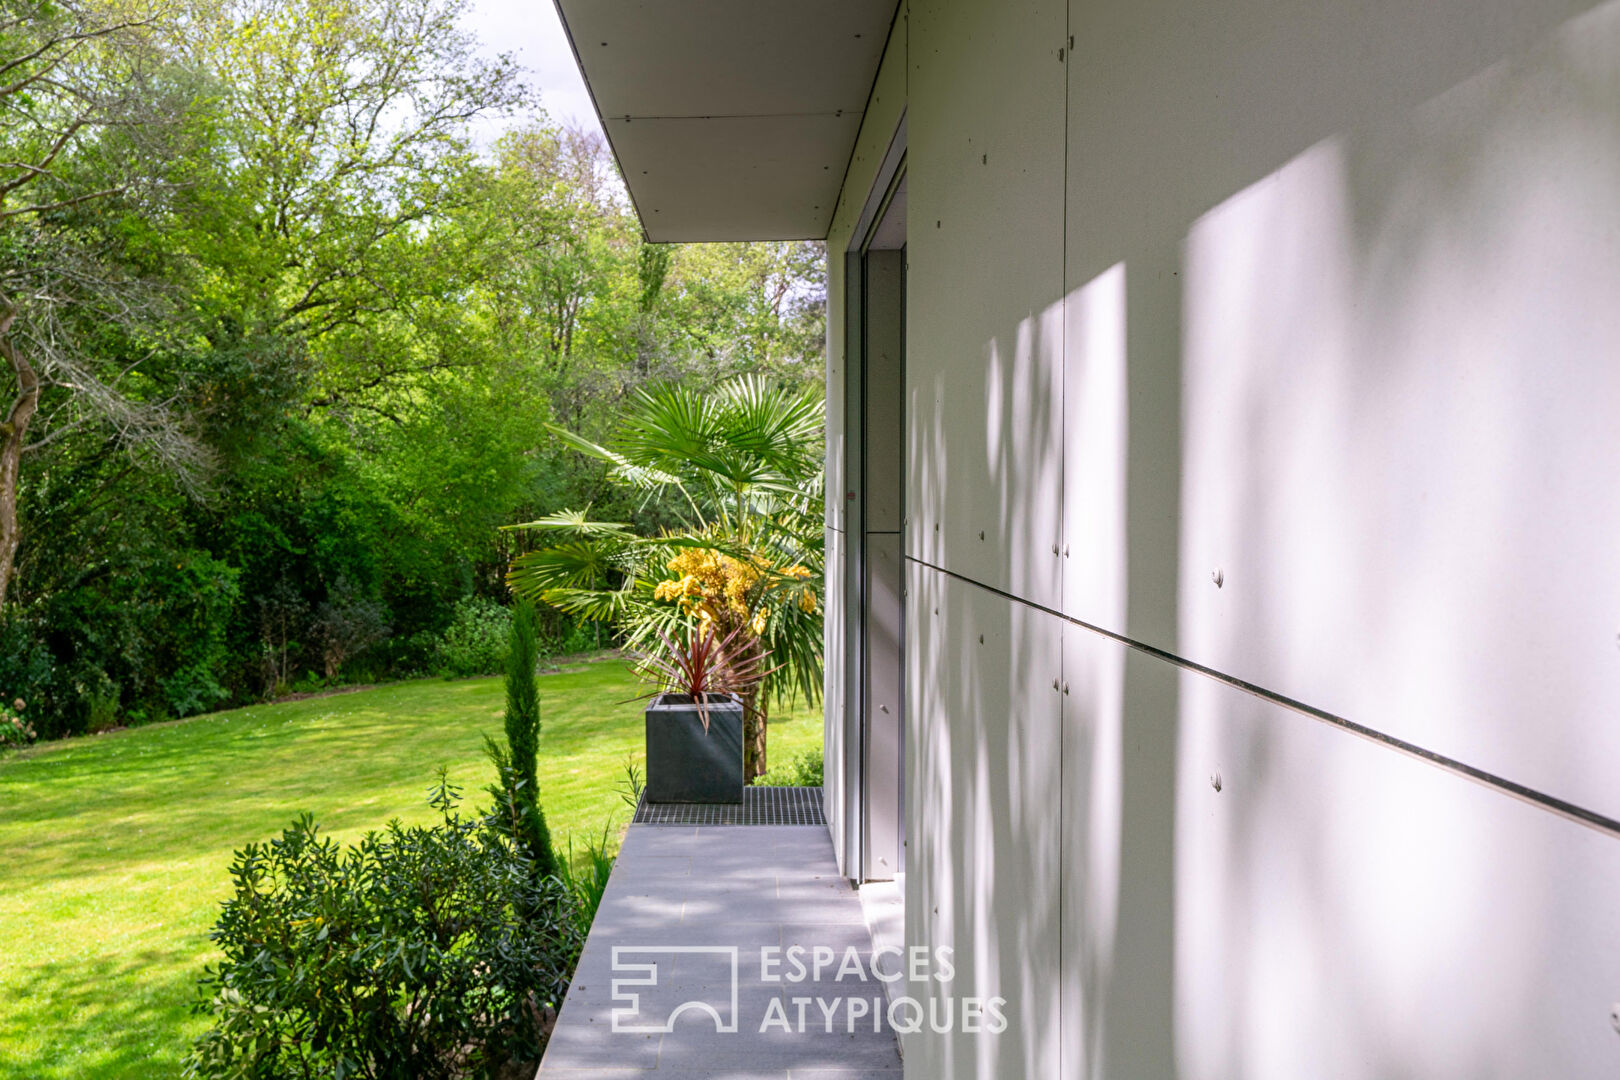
x=1400, y=401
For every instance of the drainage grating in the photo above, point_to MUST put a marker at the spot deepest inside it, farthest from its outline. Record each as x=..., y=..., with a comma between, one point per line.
x=760, y=806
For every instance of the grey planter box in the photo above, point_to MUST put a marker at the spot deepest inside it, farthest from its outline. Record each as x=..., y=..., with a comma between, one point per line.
x=685, y=764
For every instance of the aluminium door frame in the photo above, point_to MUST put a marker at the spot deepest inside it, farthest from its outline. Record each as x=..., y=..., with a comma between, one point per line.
x=856, y=741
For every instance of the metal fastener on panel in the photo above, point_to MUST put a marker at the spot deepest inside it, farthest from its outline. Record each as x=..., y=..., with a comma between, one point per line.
x=1054, y=684
x=1054, y=549
x=1215, y=782
x=1065, y=689
x=1219, y=578
x=1614, y=1015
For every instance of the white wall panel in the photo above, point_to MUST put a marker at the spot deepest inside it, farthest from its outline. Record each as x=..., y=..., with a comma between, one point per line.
x=983, y=857
x=1403, y=423
x=1368, y=256
x=984, y=344
x=1344, y=911
x=1324, y=397
x=1095, y=459
x=1332, y=909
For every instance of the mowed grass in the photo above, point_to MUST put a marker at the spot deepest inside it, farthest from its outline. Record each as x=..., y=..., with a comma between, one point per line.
x=114, y=849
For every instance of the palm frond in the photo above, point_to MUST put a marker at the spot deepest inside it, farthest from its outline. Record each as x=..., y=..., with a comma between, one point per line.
x=610, y=606
x=626, y=470
x=576, y=565
x=782, y=432
x=574, y=523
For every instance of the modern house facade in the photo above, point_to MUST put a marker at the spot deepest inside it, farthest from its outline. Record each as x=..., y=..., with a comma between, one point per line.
x=1223, y=630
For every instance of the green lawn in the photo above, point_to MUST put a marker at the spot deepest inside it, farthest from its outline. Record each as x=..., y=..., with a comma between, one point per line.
x=114, y=848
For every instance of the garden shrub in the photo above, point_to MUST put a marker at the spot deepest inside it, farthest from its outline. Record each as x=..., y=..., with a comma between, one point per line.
x=146, y=642
x=405, y=656
x=101, y=707
x=191, y=690
x=26, y=665
x=477, y=640
x=14, y=730
x=347, y=624
x=566, y=637
x=422, y=953
x=805, y=770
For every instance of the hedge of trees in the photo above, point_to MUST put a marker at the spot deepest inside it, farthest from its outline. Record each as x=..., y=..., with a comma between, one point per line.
x=280, y=339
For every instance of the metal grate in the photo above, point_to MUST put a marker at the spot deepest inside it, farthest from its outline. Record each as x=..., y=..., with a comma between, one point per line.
x=760, y=806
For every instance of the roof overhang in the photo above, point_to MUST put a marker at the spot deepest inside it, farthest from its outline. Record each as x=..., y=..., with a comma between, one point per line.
x=730, y=119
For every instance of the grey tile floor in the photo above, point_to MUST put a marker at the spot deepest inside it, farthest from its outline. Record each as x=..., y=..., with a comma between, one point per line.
x=691, y=913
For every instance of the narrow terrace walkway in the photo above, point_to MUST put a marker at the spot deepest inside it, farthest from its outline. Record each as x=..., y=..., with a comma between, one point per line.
x=682, y=903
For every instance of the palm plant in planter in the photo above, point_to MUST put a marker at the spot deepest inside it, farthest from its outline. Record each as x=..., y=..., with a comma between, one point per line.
x=695, y=719
x=741, y=466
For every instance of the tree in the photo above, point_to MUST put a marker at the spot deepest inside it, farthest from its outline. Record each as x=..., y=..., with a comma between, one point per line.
x=743, y=462
x=345, y=138
x=758, y=307
x=89, y=115
x=561, y=289
x=518, y=793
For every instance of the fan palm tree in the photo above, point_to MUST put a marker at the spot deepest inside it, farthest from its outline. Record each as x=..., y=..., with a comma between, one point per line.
x=741, y=464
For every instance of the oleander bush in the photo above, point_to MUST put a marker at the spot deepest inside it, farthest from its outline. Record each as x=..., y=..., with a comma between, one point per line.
x=421, y=953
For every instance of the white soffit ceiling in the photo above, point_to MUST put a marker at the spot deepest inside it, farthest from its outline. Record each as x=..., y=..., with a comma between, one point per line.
x=731, y=119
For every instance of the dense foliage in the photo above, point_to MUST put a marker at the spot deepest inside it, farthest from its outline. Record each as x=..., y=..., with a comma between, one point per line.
x=420, y=953
x=280, y=339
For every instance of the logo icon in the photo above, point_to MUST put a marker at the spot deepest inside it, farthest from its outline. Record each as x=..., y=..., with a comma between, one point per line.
x=717, y=963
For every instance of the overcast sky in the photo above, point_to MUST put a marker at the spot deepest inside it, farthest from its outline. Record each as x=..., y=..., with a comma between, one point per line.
x=531, y=31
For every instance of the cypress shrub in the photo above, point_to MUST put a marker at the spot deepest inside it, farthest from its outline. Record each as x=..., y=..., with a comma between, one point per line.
x=519, y=764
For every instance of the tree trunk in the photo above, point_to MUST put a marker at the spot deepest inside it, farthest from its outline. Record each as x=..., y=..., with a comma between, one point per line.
x=13, y=433
x=756, y=714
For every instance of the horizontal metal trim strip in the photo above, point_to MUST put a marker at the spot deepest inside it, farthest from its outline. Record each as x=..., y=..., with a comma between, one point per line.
x=1551, y=803
x=835, y=114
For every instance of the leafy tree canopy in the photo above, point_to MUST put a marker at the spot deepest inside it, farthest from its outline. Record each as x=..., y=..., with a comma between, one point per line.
x=281, y=339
